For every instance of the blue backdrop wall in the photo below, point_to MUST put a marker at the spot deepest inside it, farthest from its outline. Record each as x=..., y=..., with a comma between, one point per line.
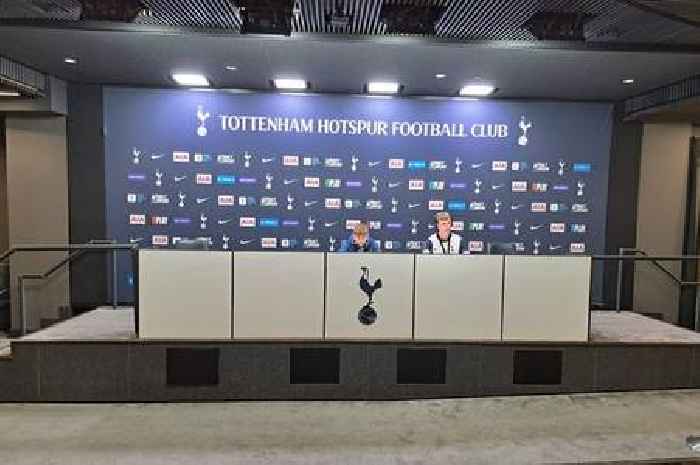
x=295, y=172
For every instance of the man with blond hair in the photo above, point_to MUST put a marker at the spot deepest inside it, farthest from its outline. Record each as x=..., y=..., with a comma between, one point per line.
x=359, y=241
x=444, y=241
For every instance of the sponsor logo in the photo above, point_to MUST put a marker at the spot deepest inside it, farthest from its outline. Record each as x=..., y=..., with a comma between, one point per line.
x=333, y=203
x=310, y=203
x=135, y=198
x=247, y=180
x=333, y=163
x=226, y=159
x=477, y=206
x=203, y=178
x=372, y=164
x=330, y=224
x=201, y=200
x=499, y=166
x=246, y=222
x=496, y=187
x=225, y=200
x=539, y=187
x=577, y=228
x=436, y=204
x=414, y=205
x=268, y=242
x=350, y=224
x=579, y=208
x=519, y=186
x=353, y=183
x=438, y=165
x=517, y=206
x=375, y=225
x=246, y=201
x=582, y=168
x=458, y=185
x=287, y=182
x=266, y=160
x=436, y=185
x=577, y=247
x=179, y=178
x=540, y=167
x=159, y=239
x=394, y=225
x=456, y=205
x=458, y=226
x=159, y=220
x=557, y=228
x=476, y=246
x=374, y=205
x=269, y=222
x=416, y=164
x=246, y=241
x=290, y=160
x=289, y=243
x=160, y=199
x=414, y=245
x=268, y=202
x=201, y=157
x=554, y=247
x=392, y=245
x=476, y=227
x=416, y=184
x=518, y=166
x=290, y=223
x=181, y=157
x=558, y=207
x=394, y=185
x=137, y=219
x=311, y=244
x=538, y=207
x=182, y=220
x=497, y=227
x=331, y=183
x=312, y=182
x=353, y=203
x=396, y=163
x=476, y=166
x=560, y=188
x=157, y=157
x=225, y=179
x=312, y=161
x=136, y=177
x=224, y=221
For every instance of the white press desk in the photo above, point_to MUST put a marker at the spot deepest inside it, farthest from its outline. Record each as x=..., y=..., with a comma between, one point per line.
x=316, y=295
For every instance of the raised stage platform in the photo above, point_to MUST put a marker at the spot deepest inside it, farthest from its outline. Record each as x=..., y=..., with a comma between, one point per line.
x=97, y=357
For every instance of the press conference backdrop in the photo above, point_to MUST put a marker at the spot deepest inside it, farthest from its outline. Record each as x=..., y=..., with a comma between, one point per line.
x=250, y=171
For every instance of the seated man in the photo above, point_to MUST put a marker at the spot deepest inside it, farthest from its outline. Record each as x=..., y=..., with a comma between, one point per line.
x=359, y=241
x=444, y=241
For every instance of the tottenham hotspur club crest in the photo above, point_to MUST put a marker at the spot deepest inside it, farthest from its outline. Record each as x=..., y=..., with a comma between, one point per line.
x=524, y=126
x=202, y=117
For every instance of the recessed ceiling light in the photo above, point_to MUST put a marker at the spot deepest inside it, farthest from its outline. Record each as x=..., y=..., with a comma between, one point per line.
x=290, y=84
x=383, y=87
x=70, y=60
x=440, y=76
x=628, y=81
x=477, y=90
x=8, y=93
x=190, y=79
x=231, y=68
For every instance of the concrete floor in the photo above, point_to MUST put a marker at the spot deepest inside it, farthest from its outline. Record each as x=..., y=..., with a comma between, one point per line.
x=575, y=428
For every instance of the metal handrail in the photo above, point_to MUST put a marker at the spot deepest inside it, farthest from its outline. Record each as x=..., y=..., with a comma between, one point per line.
x=76, y=249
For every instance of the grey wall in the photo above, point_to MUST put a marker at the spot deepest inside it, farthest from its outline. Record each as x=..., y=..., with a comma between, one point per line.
x=37, y=200
x=86, y=165
x=661, y=214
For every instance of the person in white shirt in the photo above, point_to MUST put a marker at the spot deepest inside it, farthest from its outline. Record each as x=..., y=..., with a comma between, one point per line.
x=444, y=241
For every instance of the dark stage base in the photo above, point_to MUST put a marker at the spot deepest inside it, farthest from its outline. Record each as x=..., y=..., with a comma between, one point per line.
x=61, y=364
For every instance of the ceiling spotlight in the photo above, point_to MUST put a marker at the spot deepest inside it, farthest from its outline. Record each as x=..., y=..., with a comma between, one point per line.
x=290, y=84
x=440, y=76
x=8, y=93
x=477, y=90
x=383, y=87
x=628, y=81
x=70, y=60
x=231, y=68
x=190, y=79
